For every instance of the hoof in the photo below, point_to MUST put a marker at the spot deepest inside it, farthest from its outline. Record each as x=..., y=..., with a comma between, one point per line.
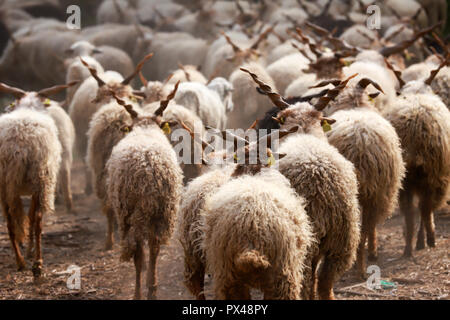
x=420, y=245
x=21, y=265
x=407, y=254
x=431, y=243
x=151, y=293
x=37, y=269
x=71, y=210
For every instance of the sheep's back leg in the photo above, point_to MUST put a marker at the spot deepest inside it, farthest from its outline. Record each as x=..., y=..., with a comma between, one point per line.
x=361, y=257
x=326, y=279
x=235, y=291
x=420, y=243
x=12, y=236
x=427, y=218
x=138, y=257
x=196, y=281
x=314, y=263
x=154, y=247
x=372, y=242
x=88, y=174
x=31, y=219
x=408, y=212
x=66, y=188
x=37, y=266
x=110, y=235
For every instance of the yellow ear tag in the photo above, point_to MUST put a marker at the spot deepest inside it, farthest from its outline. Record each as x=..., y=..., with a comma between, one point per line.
x=235, y=157
x=166, y=128
x=408, y=56
x=133, y=99
x=347, y=63
x=12, y=105
x=47, y=102
x=126, y=129
x=371, y=99
x=326, y=126
x=271, y=160
x=282, y=120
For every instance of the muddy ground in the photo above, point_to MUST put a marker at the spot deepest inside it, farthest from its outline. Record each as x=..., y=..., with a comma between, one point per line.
x=79, y=239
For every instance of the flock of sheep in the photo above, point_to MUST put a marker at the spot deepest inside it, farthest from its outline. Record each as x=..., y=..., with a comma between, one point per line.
x=362, y=117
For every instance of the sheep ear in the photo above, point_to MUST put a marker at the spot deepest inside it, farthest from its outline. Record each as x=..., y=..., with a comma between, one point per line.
x=279, y=155
x=16, y=92
x=374, y=95
x=55, y=89
x=126, y=128
x=329, y=120
x=364, y=82
x=97, y=51
x=166, y=126
x=139, y=94
x=69, y=51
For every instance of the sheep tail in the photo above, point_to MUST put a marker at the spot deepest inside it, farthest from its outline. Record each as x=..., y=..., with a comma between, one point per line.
x=250, y=261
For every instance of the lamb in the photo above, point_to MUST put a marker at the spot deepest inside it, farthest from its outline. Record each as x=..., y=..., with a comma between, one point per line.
x=265, y=245
x=103, y=134
x=144, y=184
x=328, y=183
x=211, y=103
x=90, y=96
x=30, y=159
x=370, y=142
x=422, y=123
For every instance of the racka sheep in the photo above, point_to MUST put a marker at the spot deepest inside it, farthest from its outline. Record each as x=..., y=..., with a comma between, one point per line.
x=422, y=122
x=144, y=184
x=257, y=234
x=326, y=180
x=30, y=156
x=93, y=93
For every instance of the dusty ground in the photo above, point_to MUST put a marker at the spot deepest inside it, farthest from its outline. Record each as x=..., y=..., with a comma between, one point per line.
x=78, y=240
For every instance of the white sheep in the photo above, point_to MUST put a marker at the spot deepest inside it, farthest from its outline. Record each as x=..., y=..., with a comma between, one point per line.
x=30, y=159
x=211, y=103
x=422, y=123
x=326, y=180
x=144, y=184
x=90, y=96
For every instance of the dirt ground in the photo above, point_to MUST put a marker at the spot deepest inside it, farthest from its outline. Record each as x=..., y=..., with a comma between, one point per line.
x=78, y=240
